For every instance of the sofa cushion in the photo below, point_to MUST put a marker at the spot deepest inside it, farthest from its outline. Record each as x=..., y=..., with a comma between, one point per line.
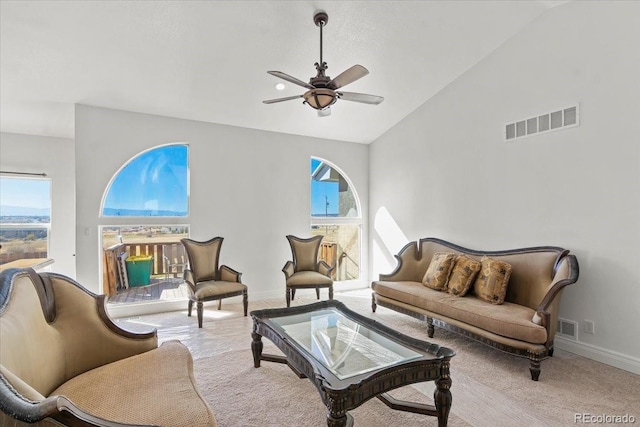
x=508, y=320
x=439, y=270
x=491, y=283
x=462, y=276
x=167, y=397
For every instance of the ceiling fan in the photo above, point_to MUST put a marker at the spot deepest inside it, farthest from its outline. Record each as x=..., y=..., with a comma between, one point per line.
x=322, y=90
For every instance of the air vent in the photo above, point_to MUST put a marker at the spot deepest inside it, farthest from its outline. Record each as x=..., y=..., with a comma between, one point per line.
x=554, y=120
x=568, y=329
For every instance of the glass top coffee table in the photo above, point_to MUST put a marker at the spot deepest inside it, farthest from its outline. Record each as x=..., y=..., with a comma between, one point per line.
x=351, y=358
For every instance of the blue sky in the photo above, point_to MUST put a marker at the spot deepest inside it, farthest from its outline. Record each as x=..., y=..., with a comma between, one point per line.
x=25, y=192
x=321, y=192
x=155, y=180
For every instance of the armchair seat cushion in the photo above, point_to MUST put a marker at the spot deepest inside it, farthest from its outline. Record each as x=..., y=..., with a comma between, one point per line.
x=309, y=278
x=167, y=398
x=214, y=288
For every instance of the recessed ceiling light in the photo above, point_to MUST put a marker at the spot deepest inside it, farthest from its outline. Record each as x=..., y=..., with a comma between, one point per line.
x=279, y=86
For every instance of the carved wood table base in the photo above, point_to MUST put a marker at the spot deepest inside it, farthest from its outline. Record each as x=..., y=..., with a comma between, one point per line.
x=341, y=394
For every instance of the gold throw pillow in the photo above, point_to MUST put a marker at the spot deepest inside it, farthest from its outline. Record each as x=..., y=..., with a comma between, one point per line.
x=462, y=276
x=492, y=281
x=439, y=269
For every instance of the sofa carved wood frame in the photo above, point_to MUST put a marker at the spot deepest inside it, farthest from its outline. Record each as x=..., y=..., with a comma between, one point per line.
x=541, y=311
x=56, y=407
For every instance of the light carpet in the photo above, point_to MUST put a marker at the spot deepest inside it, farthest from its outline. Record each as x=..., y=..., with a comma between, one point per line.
x=490, y=388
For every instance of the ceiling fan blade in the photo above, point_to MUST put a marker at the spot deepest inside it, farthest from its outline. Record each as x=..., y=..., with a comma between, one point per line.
x=348, y=76
x=288, y=98
x=290, y=79
x=360, y=97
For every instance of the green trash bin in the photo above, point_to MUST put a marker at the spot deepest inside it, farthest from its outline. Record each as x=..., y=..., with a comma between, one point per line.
x=139, y=269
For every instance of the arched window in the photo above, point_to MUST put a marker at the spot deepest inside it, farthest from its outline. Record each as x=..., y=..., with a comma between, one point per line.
x=336, y=214
x=153, y=183
x=144, y=213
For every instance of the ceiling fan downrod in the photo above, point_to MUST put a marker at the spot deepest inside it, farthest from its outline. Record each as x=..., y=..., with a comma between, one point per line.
x=321, y=19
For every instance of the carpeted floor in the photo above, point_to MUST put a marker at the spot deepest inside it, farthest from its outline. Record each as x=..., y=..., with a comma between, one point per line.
x=490, y=388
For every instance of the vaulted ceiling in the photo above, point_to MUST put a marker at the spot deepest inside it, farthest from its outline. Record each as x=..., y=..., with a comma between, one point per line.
x=207, y=60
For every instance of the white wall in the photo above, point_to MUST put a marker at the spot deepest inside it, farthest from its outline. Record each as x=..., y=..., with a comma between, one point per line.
x=250, y=187
x=445, y=170
x=55, y=157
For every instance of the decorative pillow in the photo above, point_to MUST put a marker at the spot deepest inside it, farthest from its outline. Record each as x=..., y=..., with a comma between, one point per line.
x=439, y=270
x=492, y=281
x=462, y=276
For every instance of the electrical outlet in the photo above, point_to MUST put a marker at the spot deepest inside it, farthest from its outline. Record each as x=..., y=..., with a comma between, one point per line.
x=589, y=327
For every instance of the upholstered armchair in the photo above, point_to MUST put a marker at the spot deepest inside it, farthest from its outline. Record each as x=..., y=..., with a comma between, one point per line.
x=305, y=271
x=207, y=281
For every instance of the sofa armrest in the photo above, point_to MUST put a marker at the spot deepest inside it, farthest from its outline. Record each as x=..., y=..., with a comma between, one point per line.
x=228, y=274
x=288, y=269
x=407, y=260
x=564, y=275
x=324, y=268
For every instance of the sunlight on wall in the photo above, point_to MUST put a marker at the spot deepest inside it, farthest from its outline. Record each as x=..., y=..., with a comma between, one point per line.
x=388, y=239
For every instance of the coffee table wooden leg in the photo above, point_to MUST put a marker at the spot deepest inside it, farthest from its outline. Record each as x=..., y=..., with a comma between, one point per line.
x=256, y=348
x=344, y=421
x=442, y=395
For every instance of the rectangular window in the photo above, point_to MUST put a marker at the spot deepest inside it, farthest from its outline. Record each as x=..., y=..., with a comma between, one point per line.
x=25, y=219
x=340, y=248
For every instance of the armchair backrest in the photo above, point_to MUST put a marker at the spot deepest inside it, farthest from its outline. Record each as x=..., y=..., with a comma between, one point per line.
x=305, y=252
x=203, y=257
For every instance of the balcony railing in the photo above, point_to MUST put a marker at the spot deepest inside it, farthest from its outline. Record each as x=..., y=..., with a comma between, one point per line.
x=112, y=271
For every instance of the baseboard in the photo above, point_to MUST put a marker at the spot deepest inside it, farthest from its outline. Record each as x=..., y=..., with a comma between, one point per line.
x=608, y=357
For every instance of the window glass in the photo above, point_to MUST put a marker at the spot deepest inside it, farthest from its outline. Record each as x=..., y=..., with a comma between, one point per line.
x=335, y=215
x=152, y=184
x=331, y=195
x=25, y=218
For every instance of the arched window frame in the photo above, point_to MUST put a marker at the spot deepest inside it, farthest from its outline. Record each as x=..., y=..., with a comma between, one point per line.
x=153, y=219
x=344, y=220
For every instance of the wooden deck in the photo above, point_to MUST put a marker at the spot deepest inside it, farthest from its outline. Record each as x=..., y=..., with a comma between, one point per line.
x=158, y=290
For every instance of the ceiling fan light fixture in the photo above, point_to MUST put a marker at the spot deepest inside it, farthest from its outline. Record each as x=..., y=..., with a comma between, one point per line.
x=320, y=98
x=321, y=89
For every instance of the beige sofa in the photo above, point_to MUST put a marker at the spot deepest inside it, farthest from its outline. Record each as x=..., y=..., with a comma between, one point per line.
x=524, y=324
x=64, y=362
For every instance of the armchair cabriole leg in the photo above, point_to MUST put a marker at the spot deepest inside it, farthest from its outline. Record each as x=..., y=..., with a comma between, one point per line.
x=220, y=304
x=293, y=294
x=200, y=310
x=534, y=366
x=317, y=293
x=331, y=291
x=190, y=308
x=288, y=295
x=245, y=302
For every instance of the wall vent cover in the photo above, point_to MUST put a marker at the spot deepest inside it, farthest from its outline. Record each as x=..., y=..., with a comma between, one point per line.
x=568, y=329
x=558, y=119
